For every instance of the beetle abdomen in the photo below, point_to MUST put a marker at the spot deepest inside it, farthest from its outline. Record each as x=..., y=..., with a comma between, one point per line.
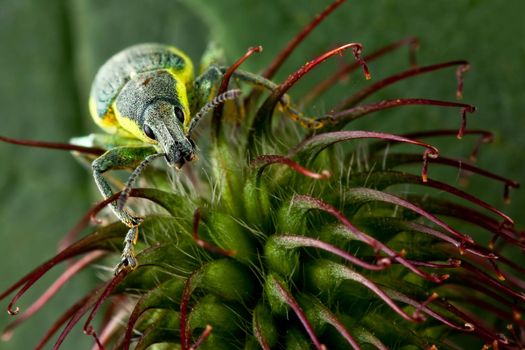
x=120, y=68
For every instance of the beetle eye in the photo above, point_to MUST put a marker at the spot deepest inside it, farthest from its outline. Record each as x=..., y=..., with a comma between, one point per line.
x=149, y=133
x=179, y=113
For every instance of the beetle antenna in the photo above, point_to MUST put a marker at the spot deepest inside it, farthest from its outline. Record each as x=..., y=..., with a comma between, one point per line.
x=225, y=96
x=124, y=195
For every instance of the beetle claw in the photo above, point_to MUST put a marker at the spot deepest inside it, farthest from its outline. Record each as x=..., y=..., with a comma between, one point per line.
x=128, y=262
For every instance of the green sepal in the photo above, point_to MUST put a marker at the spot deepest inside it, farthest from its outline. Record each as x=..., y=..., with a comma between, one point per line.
x=163, y=328
x=310, y=148
x=177, y=205
x=277, y=304
x=296, y=339
x=291, y=217
x=326, y=279
x=213, y=311
x=171, y=244
x=257, y=204
x=393, y=331
x=264, y=325
x=280, y=259
x=227, y=168
x=156, y=298
x=227, y=279
x=227, y=233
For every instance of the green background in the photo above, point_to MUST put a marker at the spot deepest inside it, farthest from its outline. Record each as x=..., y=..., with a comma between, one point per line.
x=50, y=51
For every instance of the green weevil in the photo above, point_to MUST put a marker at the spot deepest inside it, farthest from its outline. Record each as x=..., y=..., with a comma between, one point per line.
x=147, y=101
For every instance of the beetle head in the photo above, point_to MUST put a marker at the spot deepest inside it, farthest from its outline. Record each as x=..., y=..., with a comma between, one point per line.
x=153, y=107
x=163, y=122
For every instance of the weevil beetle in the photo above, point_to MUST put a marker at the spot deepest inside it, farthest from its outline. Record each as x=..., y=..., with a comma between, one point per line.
x=144, y=98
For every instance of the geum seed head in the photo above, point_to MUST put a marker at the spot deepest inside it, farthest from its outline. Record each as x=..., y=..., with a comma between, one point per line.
x=286, y=234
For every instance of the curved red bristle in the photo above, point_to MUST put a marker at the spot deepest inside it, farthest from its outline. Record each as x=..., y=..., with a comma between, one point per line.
x=185, y=332
x=499, y=274
x=342, y=73
x=132, y=320
x=472, y=325
x=54, y=145
x=339, y=136
x=91, y=301
x=75, y=318
x=348, y=273
x=401, y=158
x=416, y=71
x=459, y=76
x=451, y=263
x=467, y=214
x=452, y=190
x=482, y=277
x=75, y=249
x=488, y=307
x=267, y=108
x=417, y=312
x=111, y=326
x=110, y=286
x=474, y=249
x=330, y=318
x=409, y=178
x=463, y=126
x=264, y=114
x=217, y=112
x=32, y=277
x=78, y=248
x=82, y=303
x=90, y=215
x=377, y=245
x=485, y=137
x=341, y=118
x=294, y=77
x=389, y=198
x=424, y=170
x=291, y=241
x=517, y=340
x=288, y=298
x=263, y=161
x=468, y=327
x=53, y=289
x=285, y=53
x=205, y=334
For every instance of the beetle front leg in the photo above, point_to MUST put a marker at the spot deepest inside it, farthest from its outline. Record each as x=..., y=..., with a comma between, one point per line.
x=118, y=158
x=128, y=260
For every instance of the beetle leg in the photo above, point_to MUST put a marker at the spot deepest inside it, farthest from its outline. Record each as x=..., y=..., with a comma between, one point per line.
x=119, y=158
x=128, y=260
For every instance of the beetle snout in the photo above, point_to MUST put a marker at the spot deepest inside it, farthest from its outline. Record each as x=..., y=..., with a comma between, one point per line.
x=179, y=154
